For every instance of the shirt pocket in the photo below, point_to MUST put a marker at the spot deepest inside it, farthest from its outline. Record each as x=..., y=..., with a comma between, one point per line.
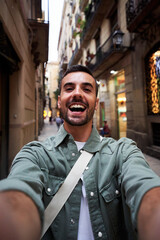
x=111, y=191
x=51, y=187
x=113, y=210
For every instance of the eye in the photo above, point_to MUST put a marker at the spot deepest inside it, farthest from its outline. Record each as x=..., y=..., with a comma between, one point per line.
x=87, y=89
x=69, y=89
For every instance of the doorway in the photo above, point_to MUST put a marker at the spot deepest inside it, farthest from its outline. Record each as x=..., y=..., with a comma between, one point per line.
x=4, y=121
x=102, y=113
x=122, y=119
x=121, y=104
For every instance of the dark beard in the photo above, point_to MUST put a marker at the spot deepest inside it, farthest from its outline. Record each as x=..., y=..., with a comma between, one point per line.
x=88, y=117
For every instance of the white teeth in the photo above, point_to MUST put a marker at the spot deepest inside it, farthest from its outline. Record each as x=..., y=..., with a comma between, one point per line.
x=77, y=106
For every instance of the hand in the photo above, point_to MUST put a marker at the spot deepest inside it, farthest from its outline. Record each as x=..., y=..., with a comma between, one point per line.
x=19, y=217
x=149, y=216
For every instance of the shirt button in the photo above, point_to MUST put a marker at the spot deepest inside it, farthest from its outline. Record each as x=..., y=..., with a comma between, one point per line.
x=72, y=221
x=48, y=189
x=91, y=194
x=117, y=192
x=100, y=234
x=73, y=154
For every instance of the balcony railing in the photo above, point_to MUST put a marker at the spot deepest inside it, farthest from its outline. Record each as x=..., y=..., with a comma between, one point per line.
x=104, y=52
x=76, y=55
x=136, y=14
x=89, y=14
x=39, y=40
x=95, y=12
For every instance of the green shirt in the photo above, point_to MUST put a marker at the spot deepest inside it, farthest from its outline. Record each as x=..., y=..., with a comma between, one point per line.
x=115, y=180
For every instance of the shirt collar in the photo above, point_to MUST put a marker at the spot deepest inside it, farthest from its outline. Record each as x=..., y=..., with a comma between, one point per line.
x=60, y=136
x=92, y=145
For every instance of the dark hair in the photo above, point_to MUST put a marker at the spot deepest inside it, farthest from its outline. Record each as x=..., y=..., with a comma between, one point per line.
x=78, y=68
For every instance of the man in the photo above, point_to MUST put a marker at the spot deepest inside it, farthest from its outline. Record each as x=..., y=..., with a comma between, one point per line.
x=58, y=122
x=118, y=196
x=105, y=130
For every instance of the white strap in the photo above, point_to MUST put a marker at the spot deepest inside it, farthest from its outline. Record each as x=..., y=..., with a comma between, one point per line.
x=65, y=190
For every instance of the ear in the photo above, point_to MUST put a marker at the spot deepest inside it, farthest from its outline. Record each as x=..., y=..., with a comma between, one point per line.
x=97, y=103
x=59, y=101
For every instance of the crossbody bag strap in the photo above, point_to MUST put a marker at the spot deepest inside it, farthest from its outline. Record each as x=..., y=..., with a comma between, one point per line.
x=65, y=190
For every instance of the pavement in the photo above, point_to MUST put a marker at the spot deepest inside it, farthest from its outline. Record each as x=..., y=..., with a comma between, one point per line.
x=50, y=129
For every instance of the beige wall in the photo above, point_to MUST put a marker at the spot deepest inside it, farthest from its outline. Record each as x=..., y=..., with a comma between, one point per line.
x=105, y=30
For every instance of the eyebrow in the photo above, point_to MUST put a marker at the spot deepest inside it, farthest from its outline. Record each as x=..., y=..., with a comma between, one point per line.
x=68, y=84
x=71, y=84
x=88, y=84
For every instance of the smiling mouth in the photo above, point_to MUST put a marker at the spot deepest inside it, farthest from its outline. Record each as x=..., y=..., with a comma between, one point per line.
x=77, y=108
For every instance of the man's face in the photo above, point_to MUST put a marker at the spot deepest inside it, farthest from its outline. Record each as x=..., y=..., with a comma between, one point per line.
x=77, y=100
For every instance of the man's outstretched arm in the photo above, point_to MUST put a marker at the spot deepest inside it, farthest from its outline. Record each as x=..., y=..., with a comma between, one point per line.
x=19, y=217
x=149, y=216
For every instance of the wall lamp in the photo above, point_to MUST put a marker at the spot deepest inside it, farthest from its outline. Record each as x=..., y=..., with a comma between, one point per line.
x=118, y=40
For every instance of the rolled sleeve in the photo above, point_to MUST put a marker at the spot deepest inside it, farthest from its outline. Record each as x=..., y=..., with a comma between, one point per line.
x=26, y=176
x=137, y=178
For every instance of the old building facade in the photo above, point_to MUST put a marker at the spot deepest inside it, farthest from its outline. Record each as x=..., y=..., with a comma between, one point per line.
x=23, y=50
x=117, y=40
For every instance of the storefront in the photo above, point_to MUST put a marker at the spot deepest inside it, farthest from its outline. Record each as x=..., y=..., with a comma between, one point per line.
x=113, y=104
x=121, y=104
x=153, y=93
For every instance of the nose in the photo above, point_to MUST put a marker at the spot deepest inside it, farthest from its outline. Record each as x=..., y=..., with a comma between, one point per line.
x=77, y=93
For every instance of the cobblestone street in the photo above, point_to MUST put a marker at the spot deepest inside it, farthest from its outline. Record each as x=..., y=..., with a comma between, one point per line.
x=51, y=129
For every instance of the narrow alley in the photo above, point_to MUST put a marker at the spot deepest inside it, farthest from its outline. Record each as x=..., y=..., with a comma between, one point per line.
x=48, y=130
x=51, y=129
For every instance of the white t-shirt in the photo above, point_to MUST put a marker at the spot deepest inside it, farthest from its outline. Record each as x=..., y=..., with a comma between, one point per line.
x=84, y=227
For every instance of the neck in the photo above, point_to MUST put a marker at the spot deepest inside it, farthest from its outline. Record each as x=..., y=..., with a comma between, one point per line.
x=79, y=133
